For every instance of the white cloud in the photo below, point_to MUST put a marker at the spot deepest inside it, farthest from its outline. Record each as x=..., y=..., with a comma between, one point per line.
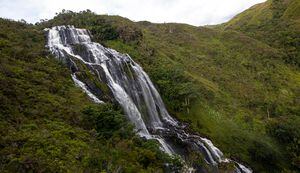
x=195, y=12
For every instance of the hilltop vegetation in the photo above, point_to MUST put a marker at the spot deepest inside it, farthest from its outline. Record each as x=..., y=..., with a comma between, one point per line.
x=276, y=22
x=236, y=83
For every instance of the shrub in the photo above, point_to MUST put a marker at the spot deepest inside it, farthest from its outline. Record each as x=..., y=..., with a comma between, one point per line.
x=106, y=121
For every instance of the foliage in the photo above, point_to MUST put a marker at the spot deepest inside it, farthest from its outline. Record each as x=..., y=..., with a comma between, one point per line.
x=240, y=81
x=276, y=23
x=237, y=84
x=49, y=125
x=202, y=71
x=176, y=88
x=106, y=121
x=286, y=132
x=103, y=28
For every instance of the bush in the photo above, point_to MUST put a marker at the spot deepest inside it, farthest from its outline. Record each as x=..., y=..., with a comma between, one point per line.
x=106, y=121
x=286, y=131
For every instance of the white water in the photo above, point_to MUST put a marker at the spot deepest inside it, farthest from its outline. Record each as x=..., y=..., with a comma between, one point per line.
x=84, y=88
x=132, y=89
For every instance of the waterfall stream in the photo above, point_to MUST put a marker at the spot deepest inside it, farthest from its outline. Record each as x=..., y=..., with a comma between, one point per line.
x=133, y=90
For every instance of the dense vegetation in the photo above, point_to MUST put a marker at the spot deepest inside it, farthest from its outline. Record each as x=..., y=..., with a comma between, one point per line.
x=276, y=23
x=236, y=83
x=48, y=125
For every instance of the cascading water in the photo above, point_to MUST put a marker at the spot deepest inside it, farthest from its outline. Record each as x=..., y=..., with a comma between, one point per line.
x=133, y=90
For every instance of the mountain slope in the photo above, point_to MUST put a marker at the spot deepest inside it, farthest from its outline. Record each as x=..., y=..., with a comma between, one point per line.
x=47, y=124
x=266, y=13
x=230, y=86
x=275, y=22
x=237, y=84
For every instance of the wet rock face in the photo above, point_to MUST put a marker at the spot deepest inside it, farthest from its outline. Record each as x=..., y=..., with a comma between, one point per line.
x=109, y=76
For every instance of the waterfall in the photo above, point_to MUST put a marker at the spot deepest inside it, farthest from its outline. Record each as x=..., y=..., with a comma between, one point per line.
x=84, y=88
x=133, y=90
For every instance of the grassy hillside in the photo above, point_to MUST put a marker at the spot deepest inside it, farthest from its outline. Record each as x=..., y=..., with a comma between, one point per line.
x=231, y=87
x=49, y=125
x=237, y=84
x=276, y=22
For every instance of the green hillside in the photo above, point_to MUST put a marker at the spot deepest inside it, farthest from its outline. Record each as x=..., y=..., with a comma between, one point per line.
x=49, y=125
x=276, y=22
x=236, y=83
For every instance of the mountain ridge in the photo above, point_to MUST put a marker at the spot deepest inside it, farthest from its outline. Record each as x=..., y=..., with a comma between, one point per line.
x=275, y=22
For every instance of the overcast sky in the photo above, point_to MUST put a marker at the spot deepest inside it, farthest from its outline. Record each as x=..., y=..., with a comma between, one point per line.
x=195, y=12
